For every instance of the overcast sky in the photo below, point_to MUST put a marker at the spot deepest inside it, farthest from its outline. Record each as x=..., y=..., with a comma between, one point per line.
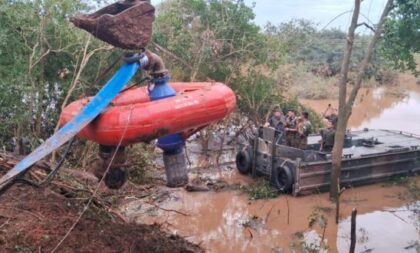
x=318, y=11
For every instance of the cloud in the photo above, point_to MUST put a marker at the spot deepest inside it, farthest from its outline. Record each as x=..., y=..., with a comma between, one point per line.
x=319, y=11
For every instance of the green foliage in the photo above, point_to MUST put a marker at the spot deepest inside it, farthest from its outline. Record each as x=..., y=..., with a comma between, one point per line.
x=257, y=93
x=402, y=35
x=320, y=51
x=262, y=189
x=215, y=38
x=218, y=40
x=315, y=119
x=40, y=53
x=141, y=160
x=412, y=184
x=210, y=39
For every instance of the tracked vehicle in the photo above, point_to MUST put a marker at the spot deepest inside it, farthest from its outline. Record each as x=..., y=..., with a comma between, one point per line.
x=369, y=156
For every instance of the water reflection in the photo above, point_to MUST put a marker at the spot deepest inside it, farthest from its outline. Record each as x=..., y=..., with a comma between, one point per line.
x=390, y=230
x=403, y=115
x=394, y=108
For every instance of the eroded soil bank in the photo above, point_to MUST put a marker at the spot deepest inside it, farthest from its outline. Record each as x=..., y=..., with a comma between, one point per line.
x=35, y=220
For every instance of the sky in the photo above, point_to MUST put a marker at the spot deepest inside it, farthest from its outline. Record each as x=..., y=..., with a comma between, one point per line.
x=320, y=12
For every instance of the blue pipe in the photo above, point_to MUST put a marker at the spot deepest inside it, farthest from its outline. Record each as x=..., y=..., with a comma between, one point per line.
x=174, y=143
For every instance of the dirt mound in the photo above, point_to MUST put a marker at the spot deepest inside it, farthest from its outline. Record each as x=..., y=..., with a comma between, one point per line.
x=35, y=220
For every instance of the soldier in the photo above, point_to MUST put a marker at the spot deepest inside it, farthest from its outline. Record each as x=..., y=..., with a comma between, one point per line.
x=291, y=129
x=304, y=128
x=331, y=114
x=327, y=134
x=277, y=121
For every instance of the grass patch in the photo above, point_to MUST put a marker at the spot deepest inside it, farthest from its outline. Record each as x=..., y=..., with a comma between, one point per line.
x=397, y=181
x=140, y=157
x=412, y=184
x=413, y=188
x=262, y=189
x=306, y=85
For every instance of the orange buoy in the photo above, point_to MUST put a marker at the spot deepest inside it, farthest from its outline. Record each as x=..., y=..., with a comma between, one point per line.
x=133, y=117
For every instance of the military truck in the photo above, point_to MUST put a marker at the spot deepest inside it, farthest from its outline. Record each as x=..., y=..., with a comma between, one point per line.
x=369, y=156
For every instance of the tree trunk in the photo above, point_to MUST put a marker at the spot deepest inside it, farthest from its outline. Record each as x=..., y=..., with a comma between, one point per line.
x=342, y=122
x=345, y=105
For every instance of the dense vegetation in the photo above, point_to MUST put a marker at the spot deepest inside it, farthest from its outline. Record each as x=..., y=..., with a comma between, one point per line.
x=43, y=57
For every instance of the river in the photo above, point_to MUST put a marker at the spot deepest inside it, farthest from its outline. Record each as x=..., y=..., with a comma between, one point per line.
x=228, y=221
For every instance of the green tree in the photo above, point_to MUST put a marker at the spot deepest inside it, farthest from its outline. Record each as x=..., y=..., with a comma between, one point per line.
x=402, y=35
x=40, y=54
x=346, y=100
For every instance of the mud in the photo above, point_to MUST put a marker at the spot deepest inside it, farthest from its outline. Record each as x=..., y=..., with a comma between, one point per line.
x=35, y=220
x=228, y=221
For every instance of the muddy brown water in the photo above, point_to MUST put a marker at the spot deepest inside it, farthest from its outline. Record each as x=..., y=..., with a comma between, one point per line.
x=228, y=221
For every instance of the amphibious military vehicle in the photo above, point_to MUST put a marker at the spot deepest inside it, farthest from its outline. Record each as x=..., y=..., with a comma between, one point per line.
x=369, y=156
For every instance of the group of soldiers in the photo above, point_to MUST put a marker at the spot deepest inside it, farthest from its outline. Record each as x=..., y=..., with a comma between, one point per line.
x=293, y=130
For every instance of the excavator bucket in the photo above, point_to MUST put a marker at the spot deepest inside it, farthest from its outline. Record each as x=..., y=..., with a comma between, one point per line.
x=126, y=24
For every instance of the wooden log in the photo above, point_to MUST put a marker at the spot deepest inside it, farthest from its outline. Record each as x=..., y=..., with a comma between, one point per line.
x=353, y=231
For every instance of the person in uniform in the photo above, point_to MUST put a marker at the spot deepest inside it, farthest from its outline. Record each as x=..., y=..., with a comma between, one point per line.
x=327, y=135
x=291, y=129
x=304, y=128
x=331, y=114
x=277, y=121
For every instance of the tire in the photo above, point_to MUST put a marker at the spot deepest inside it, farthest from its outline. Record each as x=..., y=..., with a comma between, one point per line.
x=282, y=178
x=243, y=161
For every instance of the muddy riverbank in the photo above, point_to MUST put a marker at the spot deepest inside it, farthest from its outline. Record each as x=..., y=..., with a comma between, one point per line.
x=229, y=221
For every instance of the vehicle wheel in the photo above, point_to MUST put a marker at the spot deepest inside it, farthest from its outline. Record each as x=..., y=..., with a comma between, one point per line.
x=282, y=178
x=243, y=161
x=115, y=178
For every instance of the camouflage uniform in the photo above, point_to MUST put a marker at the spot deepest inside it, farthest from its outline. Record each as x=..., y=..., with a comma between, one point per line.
x=304, y=129
x=327, y=135
x=291, y=136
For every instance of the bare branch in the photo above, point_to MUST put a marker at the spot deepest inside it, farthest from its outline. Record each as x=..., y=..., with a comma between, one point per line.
x=368, y=56
x=166, y=51
x=367, y=25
